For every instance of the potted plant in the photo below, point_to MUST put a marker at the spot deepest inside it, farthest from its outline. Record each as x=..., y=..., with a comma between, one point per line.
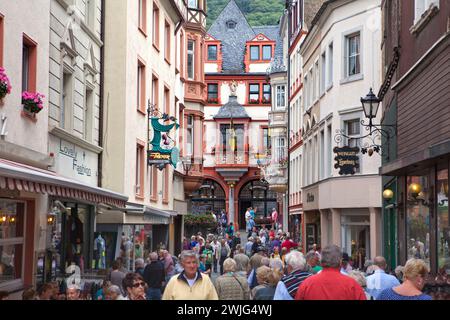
x=5, y=85
x=254, y=101
x=32, y=102
x=213, y=100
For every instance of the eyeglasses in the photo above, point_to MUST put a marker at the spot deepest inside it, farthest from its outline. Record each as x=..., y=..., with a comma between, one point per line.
x=139, y=284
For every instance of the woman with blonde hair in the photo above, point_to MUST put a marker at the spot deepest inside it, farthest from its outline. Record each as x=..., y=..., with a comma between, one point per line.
x=230, y=285
x=267, y=283
x=414, y=274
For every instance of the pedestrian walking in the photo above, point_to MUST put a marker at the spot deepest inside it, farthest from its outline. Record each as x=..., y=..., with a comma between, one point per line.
x=414, y=274
x=330, y=284
x=139, y=266
x=267, y=282
x=190, y=284
x=154, y=276
x=274, y=217
x=117, y=276
x=73, y=292
x=216, y=253
x=135, y=286
x=242, y=264
x=380, y=280
x=359, y=277
x=312, y=259
x=169, y=266
x=297, y=272
x=113, y=293
x=230, y=285
x=249, y=246
x=225, y=252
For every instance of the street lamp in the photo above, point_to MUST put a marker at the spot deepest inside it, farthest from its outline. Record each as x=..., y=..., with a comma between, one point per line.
x=370, y=142
x=370, y=105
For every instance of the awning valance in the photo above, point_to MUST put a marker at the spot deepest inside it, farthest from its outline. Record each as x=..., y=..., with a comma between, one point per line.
x=21, y=177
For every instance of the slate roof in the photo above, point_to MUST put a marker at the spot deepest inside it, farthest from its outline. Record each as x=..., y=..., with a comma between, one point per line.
x=231, y=109
x=233, y=40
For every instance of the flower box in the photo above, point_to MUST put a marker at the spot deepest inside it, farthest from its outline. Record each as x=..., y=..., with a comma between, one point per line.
x=32, y=102
x=213, y=100
x=5, y=85
x=254, y=101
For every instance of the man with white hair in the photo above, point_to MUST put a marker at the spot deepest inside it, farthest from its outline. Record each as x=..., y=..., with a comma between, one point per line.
x=154, y=276
x=190, y=284
x=73, y=292
x=296, y=274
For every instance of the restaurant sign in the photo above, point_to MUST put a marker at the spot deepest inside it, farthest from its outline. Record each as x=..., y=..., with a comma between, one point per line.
x=347, y=160
x=162, y=148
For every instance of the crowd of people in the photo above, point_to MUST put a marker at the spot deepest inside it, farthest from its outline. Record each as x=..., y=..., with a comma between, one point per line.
x=269, y=266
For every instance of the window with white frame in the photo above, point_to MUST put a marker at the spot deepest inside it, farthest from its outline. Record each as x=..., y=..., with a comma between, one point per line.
x=281, y=93
x=330, y=65
x=420, y=6
x=190, y=136
x=66, y=101
x=311, y=88
x=352, y=130
x=352, y=56
x=90, y=13
x=323, y=72
x=190, y=59
x=329, y=151
x=280, y=149
x=322, y=155
x=88, y=113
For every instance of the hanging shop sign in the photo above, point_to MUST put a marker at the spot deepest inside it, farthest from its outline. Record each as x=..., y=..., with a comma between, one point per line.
x=347, y=160
x=162, y=148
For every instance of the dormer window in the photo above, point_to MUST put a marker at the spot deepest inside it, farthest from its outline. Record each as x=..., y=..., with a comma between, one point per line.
x=231, y=24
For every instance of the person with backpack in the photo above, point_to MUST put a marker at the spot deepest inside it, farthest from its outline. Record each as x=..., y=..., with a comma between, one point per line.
x=230, y=230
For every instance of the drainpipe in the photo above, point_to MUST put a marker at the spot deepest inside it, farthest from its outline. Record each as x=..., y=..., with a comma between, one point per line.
x=102, y=88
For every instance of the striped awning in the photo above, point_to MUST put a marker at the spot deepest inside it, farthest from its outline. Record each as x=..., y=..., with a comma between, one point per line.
x=17, y=176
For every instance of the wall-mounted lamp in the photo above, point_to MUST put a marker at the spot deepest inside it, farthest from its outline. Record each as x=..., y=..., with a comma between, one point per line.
x=51, y=218
x=388, y=194
x=414, y=189
x=12, y=219
x=3, y=219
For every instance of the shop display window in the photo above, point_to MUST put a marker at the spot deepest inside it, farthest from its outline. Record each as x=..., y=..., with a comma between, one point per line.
x=443, y=223
x=418, y=218
x=11, y=240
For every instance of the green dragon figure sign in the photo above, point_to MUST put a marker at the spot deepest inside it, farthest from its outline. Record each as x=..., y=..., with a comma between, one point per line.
x=162, y=148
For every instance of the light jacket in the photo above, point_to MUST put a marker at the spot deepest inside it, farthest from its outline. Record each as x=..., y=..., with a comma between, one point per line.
x=178, y=288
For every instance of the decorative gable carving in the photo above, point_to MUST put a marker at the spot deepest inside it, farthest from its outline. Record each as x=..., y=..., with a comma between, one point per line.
x=261, y=37
x=68, y=47
x=90, y=69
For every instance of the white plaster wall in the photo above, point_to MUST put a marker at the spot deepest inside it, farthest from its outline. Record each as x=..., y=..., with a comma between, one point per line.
x=31, y=18
x=258, y=67
x=357, y=15
x=211, y=67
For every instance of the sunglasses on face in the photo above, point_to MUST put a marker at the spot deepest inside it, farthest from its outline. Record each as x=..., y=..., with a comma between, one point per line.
x=139, y=284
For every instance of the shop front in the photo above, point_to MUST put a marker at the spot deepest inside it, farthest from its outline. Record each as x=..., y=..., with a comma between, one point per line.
x=46, y=224
x=134, y=232
x=416, y=201
x=311, y=218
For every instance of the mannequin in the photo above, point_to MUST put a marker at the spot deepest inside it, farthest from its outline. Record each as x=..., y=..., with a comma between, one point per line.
x=100, y=252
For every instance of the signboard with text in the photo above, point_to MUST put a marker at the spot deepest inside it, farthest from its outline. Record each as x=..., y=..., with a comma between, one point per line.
x=347, y=159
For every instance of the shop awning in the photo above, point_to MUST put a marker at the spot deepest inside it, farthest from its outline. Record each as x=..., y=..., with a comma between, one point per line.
x=21, y=177
x=135, y=213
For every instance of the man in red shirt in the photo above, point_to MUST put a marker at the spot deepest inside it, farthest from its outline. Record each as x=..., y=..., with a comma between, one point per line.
x=288, y=244
x=330, y=284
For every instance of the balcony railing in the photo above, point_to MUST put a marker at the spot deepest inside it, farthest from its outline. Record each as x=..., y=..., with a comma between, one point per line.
x=230, y=157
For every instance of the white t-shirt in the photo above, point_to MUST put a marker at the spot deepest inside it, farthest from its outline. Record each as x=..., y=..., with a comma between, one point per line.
x=247, y=215
x=192, y=281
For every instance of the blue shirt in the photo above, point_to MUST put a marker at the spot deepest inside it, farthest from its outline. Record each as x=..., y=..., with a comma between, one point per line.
x=380, y=281
x=252, y=212
x=389, y=294
x=281, y=292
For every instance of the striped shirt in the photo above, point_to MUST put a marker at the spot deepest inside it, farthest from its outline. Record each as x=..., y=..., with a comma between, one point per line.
x=293, y=280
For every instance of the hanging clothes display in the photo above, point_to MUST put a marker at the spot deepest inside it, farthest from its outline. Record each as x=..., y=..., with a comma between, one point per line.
x=100, y=252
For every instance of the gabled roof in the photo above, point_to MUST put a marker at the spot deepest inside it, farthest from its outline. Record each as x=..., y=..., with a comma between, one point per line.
x=234, y=40
x=273, y=33
x=231, y=109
